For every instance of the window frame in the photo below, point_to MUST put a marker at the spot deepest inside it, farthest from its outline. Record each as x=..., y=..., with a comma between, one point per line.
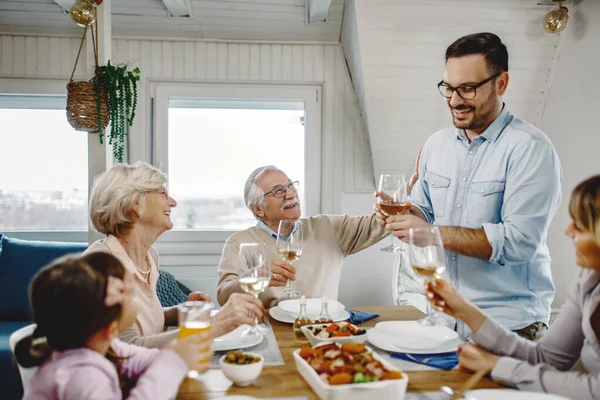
x=161, y=92
x=50, y=88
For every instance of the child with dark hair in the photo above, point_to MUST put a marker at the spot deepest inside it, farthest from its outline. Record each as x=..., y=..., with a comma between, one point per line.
x=80, y=306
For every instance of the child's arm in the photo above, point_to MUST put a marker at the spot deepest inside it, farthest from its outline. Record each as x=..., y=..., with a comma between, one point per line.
x=158, y=373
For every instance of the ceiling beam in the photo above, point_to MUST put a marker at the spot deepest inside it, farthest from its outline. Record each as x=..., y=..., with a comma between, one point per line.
x=65, y=4
x=317, y=10
x=179, y=8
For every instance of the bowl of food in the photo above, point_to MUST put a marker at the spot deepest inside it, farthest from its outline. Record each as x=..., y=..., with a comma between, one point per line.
x=240, y=367
x=349, y=371
x=340, y=332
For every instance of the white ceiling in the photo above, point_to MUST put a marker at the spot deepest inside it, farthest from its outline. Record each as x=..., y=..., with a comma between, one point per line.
x=272, y=20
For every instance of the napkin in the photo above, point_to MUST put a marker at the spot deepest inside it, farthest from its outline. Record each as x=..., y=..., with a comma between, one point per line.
x=445, y=361
x=358, y=317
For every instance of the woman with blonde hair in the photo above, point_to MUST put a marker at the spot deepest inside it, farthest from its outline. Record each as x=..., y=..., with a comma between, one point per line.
x=574, y=335
x=130, y=204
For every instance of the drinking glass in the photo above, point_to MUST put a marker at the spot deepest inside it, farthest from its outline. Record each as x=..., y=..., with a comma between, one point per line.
x=428, y=260
x=289, y=247
x=194, y=317
x=254, y=276
x=393, y=199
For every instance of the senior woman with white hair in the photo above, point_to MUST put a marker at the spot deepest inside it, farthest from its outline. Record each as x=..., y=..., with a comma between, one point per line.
x=131, y=205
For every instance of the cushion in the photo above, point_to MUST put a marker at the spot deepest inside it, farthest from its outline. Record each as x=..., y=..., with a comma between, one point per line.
x=20, y=260
x=168, y=291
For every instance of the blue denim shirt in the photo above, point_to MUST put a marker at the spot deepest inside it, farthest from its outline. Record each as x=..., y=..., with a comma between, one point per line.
x=508, y=181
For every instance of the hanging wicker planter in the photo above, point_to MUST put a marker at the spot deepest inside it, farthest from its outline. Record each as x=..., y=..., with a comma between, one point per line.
x=87, y=108
x=110, y=96
x=82, y=107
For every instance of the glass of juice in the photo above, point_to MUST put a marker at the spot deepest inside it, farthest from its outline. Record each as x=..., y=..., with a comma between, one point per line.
x=194, y=317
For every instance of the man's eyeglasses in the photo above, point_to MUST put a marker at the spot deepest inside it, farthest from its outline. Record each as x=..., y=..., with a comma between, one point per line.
x=467, y=92
x=280, y=191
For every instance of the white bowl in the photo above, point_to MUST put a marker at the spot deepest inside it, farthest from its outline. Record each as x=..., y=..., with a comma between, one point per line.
x=313, y=306
x=314, y=340
x=242, y=374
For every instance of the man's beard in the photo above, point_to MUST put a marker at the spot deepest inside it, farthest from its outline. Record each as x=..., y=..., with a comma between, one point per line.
x=478, y=117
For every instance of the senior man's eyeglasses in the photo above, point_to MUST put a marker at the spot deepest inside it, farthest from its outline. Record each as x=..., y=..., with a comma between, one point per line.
x=279, y=191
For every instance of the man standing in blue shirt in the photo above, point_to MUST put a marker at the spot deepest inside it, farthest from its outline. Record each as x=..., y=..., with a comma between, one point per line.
x=492, y=183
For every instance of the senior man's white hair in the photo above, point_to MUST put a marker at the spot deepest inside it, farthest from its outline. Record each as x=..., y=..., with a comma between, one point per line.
x=253, y=194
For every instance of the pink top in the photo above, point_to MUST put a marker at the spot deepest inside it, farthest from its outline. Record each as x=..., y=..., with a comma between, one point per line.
x=86, y=374
x=151, y=317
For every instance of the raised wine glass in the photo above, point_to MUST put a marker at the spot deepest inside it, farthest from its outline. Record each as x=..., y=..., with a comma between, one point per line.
x=289, y=246
x=393, y=199
x=428, y=260
x=254, y=276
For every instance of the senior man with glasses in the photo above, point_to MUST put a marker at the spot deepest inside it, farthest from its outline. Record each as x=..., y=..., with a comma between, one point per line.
x=492, y=183
x=272, y=197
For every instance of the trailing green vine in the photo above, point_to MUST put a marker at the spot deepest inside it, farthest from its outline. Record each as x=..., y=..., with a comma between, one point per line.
x=121, y=88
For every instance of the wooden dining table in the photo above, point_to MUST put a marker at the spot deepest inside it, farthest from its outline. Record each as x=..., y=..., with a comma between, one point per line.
x=285, y=381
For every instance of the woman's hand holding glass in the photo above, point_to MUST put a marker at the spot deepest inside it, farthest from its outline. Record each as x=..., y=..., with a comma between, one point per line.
x=254, y=275
x=446, y=299
x=240, y=309
x=428, y=260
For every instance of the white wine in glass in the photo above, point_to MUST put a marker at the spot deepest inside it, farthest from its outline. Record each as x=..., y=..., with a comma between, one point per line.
x=393, y=199
x=428, y=260
x=254, y=276
x=289, y=246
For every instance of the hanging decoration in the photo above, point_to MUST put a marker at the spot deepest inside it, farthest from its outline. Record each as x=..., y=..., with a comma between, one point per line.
x=556, y=20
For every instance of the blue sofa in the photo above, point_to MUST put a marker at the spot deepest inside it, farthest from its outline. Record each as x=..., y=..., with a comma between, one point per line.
x=20, y=260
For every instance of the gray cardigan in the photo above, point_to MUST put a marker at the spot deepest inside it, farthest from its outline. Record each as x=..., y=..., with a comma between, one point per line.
x=545, y=366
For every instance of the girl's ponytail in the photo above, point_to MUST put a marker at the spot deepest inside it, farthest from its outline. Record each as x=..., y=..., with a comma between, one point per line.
x=32, y=350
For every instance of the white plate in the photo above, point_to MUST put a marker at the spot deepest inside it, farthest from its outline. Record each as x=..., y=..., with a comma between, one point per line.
x=282, y=316
x=415, y=336
x=234, y=340
x=503, y=394
x=313, y=306
x=384, y=342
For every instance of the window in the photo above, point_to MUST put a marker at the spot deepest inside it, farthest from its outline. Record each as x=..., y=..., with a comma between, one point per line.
x=43, y=184
x=210, y=145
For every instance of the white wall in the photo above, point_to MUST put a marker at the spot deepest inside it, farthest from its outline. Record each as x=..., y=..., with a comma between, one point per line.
x=395, y=51
x=571, y=120
x=346, y=161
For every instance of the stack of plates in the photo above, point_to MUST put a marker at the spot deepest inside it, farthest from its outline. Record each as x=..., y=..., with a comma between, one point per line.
x=412, y=337
x=235, y=340
x=288, y=310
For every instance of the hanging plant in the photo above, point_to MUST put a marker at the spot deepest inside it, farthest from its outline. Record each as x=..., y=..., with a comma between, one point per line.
x=110, y=95
x=120, y=85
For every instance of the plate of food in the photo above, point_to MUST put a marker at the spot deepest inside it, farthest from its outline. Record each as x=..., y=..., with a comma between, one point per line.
x=340, y=332
x=349, y=371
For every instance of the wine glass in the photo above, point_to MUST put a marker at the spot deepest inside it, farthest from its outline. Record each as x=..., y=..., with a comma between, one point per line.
x=393, y=199
x=254, y=276
x=428, y=260
x=289, y=247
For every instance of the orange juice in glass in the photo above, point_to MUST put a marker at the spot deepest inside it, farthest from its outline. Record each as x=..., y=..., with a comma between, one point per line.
x=194, y=318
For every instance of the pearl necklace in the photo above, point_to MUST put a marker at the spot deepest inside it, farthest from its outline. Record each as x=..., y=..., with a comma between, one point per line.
x=145, y=273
